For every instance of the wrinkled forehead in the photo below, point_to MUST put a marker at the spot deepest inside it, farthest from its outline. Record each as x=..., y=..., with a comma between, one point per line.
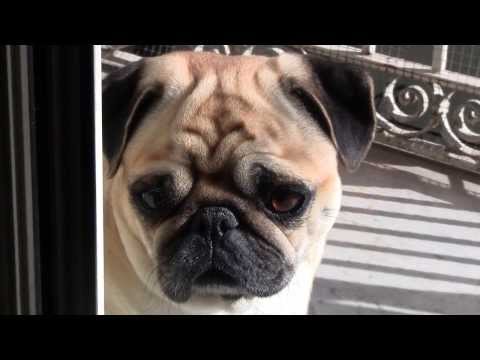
x=183, y=68
x=222, y=108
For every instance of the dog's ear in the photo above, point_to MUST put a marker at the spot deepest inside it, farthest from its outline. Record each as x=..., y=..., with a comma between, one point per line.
x=341, y=100
x=125, y=103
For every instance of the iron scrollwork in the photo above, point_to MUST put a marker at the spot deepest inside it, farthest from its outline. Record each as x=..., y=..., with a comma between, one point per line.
x=412, y=111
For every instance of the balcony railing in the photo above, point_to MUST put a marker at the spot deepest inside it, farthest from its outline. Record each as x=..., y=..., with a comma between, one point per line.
x=429, y=108
x=425, y=109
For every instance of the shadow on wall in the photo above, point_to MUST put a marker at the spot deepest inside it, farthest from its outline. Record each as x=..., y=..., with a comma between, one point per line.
x=407, y=241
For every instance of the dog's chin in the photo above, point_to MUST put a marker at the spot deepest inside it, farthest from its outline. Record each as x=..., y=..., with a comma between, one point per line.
x=214, y=286
x=217, y=283
x=214, y=283
x=216, y=295
x=224, y=293
x=208, y=302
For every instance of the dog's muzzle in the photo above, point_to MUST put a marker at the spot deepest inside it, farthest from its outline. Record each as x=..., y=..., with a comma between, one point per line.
x=216, y=254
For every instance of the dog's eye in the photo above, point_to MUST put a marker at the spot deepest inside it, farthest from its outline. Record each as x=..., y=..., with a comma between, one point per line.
x=283, y=200
x=154, y=195
x=153, y=198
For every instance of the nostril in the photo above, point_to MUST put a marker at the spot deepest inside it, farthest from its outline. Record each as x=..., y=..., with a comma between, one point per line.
x=203, y=228
x=201, y=225
x=223, y=227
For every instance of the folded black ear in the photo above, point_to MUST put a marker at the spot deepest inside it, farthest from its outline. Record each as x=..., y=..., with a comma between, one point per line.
x=342, y=102
x=124, y=106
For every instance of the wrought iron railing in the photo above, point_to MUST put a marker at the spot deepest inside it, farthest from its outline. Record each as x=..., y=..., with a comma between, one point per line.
x=428, y=108
x=424, y=109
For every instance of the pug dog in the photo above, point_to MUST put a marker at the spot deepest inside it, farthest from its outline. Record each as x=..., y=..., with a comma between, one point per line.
x=222, y=181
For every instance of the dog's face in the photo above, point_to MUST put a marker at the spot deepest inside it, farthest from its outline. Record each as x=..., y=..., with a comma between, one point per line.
x=222, y=171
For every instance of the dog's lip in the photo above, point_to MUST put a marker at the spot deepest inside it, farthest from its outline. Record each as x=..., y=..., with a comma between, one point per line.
x=217, y=283
x=216, y=277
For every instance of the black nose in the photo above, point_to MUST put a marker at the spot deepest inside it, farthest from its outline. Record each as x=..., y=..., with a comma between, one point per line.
x=213, y=222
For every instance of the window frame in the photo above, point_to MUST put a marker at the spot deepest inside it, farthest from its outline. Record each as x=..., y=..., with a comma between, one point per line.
x=49, y=180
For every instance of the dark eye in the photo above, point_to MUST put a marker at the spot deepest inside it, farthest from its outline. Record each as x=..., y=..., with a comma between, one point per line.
x=283, y=200
x=152, y=199
x=154, y=195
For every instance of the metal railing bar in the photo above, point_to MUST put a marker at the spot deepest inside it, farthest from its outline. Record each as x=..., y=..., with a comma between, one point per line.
x=440, y=56
x=369, y=49
x=402, y=67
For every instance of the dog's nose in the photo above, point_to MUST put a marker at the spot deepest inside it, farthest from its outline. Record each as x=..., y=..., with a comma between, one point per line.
x=213, y=222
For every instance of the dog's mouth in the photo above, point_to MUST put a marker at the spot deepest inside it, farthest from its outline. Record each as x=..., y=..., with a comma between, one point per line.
x=205, y=259
x=214, y=277
x=217, y=282
x=227, y=274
